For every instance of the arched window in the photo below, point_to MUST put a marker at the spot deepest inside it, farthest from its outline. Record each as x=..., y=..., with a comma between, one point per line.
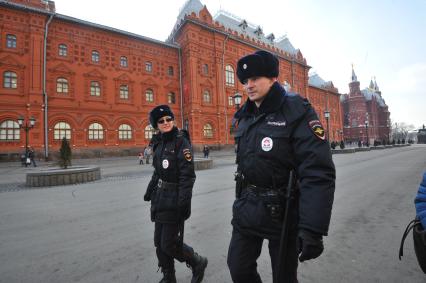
x=95, y=56
x=149, y=131
x=124, y=92
x=171, y=98
x=123, y=61
x=61, y=85
x=95, y=88
x=207, y=97
x=149, y=95
x=11, y=41
x=9, y=131
x=124, y=132
x=229, y=75
x=62, y=50
x=208, y=131
x=10, y=80
x=96, y=131
x=61, y=130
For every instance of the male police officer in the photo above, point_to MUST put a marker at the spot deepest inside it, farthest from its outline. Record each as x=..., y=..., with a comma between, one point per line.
x=277, y=133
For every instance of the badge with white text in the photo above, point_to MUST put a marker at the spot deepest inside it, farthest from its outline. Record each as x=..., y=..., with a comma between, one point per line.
x=317, y=128
x=267, y=144
x=165, y=164
x=187, y=154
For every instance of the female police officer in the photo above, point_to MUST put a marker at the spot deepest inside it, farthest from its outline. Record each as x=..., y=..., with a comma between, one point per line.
x=277, y=133
x=170, y=193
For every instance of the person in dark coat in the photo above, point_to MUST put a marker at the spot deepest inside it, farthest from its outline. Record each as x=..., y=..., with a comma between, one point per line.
x=31, y=156
x=206, y=151
x=277, y=133
x=170, y=193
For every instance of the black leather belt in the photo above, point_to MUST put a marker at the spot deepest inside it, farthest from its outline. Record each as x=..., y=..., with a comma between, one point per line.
x=262, y=191
x=166, y=185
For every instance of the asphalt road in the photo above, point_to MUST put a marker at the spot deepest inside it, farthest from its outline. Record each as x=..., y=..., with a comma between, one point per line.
x=101, y=232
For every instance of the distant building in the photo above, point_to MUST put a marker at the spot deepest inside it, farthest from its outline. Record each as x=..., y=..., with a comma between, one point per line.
x=365, y=113
x=421, y=135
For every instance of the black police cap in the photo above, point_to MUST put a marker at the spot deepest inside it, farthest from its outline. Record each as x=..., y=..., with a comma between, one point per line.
x=259, y=64
x=158, y=112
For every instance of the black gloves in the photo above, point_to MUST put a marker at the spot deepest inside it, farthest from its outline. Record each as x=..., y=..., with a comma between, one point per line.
x=310, y=245
x=147, y=195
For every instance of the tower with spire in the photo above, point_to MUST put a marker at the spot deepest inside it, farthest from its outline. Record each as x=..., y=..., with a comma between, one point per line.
x=366, y=115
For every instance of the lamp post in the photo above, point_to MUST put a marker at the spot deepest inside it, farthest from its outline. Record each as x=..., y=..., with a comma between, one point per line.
x=27, y=126
x=366, y=132
x=237, y=100
x=366, y=128
x=327, y=117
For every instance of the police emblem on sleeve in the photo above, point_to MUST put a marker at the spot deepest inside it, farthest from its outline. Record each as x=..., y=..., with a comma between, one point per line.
x=317, y=128
x=187, y=154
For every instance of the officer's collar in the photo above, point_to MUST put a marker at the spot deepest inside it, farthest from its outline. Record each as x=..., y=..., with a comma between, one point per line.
x=169, y=135
x=272, y=102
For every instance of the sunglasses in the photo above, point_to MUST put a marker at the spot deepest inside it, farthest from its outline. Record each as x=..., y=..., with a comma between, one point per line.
x=162, y=121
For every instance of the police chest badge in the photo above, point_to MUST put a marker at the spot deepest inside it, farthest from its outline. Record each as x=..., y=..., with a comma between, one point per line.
x=267, y=144
x=187, y=154
x=317, y=128
x=165, y=164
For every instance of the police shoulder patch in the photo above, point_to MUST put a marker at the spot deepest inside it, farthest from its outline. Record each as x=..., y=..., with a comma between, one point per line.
x=317, y=128
x=187, y=154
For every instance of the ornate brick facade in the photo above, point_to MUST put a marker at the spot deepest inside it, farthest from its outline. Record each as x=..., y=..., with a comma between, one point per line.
x=100, y=83
x=365, y=113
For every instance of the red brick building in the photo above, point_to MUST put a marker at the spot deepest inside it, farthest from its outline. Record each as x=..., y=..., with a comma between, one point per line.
x=365, y=113
x=95, y=85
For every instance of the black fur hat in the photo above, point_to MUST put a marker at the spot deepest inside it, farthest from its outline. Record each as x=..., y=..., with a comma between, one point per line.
x=259, y=64
x=158, y=112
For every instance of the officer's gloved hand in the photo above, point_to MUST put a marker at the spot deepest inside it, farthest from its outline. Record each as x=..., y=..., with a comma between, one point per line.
x=147, y=195
x=184, y=211
x=310, y=245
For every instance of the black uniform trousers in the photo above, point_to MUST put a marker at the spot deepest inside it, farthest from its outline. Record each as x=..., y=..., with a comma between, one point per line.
x=169, y=246
x=244, y=250
x=246, y=243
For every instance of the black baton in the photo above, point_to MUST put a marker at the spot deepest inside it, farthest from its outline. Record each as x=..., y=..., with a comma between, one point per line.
x=282, y=254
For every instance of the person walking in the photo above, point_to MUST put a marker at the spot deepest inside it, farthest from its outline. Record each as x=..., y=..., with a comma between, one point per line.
x=206, y=151
x=278, y=136
x=31, y=156
x=170, y=193
x=147, y=154
x=140, y=157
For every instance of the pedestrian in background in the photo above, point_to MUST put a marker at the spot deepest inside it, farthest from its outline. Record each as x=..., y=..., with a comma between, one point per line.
x=170, y=193
x=277, y=134
x=206, y=151
x=140, y=157
x=31, y=156
x=147, y=154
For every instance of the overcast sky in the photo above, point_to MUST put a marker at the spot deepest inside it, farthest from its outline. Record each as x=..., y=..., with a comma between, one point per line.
x=384, y=39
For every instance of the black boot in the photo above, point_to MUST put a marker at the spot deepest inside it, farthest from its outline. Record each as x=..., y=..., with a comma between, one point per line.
x=168, y=276
x=198, y=264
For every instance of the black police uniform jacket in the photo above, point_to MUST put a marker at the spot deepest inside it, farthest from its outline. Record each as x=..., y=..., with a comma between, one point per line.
x=283, y=134
x=174, y=165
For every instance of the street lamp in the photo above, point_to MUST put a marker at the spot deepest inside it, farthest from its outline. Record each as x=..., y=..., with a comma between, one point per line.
x=327, y=117
x=27, y=126
x=366, y=130
x=237, y=100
